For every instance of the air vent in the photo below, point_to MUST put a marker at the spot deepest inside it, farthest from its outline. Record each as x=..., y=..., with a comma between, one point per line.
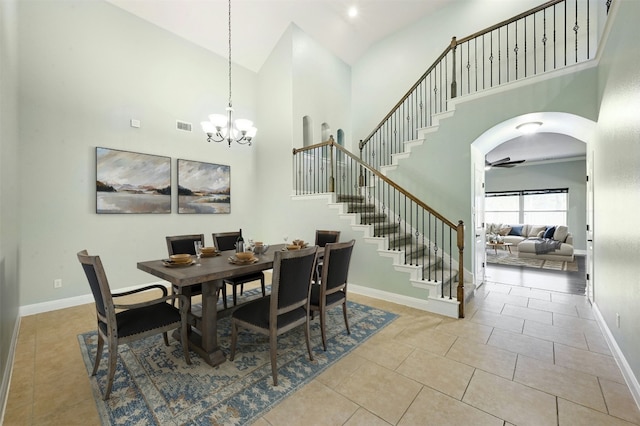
x=183, y=125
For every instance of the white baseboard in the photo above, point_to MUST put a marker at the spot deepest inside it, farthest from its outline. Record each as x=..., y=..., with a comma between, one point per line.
x=54, y=305
x=389, y=297
x=8, y=370
x=627, y=373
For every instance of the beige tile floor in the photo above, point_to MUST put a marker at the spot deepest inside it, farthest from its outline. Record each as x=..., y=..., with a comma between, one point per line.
x=521, y=357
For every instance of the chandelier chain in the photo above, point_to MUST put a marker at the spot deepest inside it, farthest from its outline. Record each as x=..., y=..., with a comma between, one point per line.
x=230, y=53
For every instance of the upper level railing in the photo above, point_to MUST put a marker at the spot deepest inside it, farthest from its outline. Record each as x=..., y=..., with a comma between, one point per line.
x=427, y=238
x=548, y=37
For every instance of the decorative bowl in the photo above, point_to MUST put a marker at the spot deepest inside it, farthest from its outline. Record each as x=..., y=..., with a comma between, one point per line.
x=293, y=247
x=244, y=255
x=299, y=243
x=208, y=250
x=180, y=258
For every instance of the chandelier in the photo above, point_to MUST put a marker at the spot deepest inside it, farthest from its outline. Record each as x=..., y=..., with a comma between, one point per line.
x=222, y=127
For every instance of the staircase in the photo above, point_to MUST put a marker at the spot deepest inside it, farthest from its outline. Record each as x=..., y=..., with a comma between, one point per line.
x=424, y=264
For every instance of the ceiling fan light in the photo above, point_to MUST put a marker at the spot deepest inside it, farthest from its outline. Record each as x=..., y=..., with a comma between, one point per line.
x=530, y=127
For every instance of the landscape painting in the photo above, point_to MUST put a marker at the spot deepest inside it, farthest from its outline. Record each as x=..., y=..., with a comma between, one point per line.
x=203, y=187
x=130, y=182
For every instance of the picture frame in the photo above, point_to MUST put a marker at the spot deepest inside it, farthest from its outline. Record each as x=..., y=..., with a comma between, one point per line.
x=203, y=188
x=132, y=183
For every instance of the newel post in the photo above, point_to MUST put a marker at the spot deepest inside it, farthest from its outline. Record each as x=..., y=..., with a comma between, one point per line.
x=460, y=231
x=454, y=84
x=332, y=180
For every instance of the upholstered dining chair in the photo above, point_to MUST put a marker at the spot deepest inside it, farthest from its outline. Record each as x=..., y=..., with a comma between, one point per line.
x=131, y=321
x=332, y=289
x=322, y=238
x=183, y=244
x=226, y=241
x=285, y=308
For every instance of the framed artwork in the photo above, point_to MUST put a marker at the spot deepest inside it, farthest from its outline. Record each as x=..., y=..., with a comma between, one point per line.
x=130, y=182
x=203, y=187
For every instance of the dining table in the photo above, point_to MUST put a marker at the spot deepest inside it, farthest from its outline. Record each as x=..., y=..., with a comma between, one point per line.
x=210, y=273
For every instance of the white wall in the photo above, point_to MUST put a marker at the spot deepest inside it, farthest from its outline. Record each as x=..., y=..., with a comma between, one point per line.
x=566, y=174
x=321, y=87
x=616, y=182
x=9, y=202
x=86, y=69
x=388, y=69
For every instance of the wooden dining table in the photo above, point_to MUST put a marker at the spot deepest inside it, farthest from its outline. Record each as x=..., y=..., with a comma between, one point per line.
x=210, y=273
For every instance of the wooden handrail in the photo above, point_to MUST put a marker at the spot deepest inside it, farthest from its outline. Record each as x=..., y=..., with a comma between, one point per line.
x=332, y=142
x=452, y=47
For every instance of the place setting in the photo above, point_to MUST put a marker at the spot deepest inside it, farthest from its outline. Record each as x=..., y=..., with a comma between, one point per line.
x=178, y=261
x=243, y=258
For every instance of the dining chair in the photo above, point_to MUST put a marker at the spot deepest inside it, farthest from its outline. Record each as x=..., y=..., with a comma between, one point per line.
x=322, y=238
x=224, y=241
x=285, y=308
x=133, y=321
x=332, y=289
x=179, y=244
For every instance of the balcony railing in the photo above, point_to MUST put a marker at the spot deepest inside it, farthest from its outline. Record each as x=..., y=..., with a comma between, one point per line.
x=551, y=36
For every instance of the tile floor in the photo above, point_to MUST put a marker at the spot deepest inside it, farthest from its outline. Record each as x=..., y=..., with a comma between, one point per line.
x=521, y=357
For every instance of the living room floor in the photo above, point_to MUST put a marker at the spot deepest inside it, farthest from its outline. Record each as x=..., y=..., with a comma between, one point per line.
x=521, y=356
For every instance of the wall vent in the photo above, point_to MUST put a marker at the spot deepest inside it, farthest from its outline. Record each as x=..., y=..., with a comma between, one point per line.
x=183, y=125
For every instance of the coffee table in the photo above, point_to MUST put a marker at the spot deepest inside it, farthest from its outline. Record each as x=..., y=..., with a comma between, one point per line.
x=505, y=246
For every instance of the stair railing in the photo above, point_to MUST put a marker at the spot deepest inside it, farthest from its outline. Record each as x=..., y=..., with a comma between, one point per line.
x=427, y=238
x=551, y=36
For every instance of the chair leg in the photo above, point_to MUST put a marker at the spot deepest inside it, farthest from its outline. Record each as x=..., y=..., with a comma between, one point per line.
x=344, y=314
x=224, y=295
x=273, y=351
x=235, y=295
x=234, y=339
x=98, y=354
x=241, y=289
x=166, y=338
x=323, y=319
x=307, y=334
x=184, y=340
x=264, y=291
x=113, y=361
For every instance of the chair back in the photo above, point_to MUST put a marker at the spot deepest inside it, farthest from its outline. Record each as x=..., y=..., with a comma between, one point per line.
x=291, y=280
x=99, y=284
x=183, y=244
x=225, y=240
x=335, y=270
x=323, y=237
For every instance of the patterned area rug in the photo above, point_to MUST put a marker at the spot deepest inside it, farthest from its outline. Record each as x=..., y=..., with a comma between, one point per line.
x=503, y=257
x=154, y=386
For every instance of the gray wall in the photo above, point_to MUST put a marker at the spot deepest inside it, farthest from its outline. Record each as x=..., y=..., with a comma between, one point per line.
x=86, y=69
x=568, y=174
x=9, y=202
x=616, y=154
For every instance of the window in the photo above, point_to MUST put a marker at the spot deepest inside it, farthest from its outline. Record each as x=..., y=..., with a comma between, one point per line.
x=536, y=207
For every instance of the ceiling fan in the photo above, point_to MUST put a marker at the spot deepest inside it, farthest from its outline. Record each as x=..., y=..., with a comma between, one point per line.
x=503, y=162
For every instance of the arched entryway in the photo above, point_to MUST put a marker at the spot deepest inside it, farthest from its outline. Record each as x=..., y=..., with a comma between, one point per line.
x=554, y=125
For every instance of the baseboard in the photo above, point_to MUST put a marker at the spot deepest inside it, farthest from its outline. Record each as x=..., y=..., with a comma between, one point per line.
x=54, y=305
x=627, y=373
x=389, y=297
x=8, y=369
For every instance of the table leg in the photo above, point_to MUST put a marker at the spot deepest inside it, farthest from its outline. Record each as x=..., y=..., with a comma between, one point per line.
x=205, y=341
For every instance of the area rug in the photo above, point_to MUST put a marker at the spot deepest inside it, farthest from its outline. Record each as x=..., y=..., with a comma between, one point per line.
x=503, y=257
x=153, y=385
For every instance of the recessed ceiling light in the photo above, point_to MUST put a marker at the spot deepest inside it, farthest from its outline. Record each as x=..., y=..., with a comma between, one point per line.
x=353, y=12
x=530, y=127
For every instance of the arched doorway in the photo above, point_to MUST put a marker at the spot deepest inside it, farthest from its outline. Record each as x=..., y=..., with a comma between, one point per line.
x=555, y=126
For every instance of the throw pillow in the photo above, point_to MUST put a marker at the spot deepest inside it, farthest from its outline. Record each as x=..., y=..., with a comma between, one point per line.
x=535, y=229
x=504, y=231
x=516, y=230
x=561, y=233
x=549, y=232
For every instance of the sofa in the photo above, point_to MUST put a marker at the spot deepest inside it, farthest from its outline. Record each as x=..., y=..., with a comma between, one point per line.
x=548, y=242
